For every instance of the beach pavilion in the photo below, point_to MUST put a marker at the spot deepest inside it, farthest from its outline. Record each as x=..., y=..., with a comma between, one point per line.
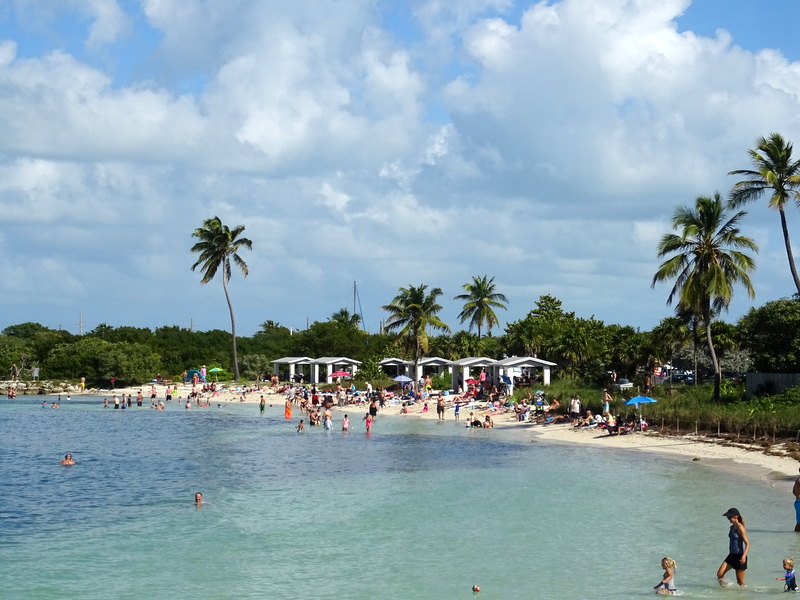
x=498, y=368
x=331, y=363
x=507, y=366
x=294, y=362
x=461, y=368
x=405, y=367
x=433, y=361
x=401, y=366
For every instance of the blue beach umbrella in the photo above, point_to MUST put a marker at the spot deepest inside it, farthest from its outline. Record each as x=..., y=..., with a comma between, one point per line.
x=402, y=379
x=637, y=401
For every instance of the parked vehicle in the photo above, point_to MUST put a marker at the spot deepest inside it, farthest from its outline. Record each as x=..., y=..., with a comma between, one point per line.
x=623, y=384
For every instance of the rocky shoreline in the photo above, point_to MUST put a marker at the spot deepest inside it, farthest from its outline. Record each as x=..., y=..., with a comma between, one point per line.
x=40, y=388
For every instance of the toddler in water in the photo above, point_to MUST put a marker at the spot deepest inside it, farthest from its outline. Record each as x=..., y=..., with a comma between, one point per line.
x=791, y=583
x=667, y=583
x=301, y=427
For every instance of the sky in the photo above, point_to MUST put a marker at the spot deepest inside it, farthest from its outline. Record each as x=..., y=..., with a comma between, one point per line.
x=388, y=143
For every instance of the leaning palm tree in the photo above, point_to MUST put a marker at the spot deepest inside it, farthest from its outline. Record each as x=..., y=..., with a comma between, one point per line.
x=411, y=312
x=218, y=246
x=480, y=300
x=705, y=261
x=775, y=172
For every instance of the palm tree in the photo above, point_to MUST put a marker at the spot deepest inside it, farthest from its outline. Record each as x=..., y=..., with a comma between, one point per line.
x=480, y=299
x=774, y=171
x=218, y=246
x=344, y=317
x=706, y=263
x=411, y=312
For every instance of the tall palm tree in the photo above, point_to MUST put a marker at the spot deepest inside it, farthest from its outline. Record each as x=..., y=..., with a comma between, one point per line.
x=480, y=300
x=344, y=317
x=705, y=262
x=411, y=312
x=774, y=170
x=218, y=246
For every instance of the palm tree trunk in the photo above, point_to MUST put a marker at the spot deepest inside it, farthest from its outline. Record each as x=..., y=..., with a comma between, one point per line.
x=714, y=360
x=233, y=325
x=789, y=254
x=694, y=352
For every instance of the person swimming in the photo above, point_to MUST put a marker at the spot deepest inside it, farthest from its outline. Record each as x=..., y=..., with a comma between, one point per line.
x=68, y=460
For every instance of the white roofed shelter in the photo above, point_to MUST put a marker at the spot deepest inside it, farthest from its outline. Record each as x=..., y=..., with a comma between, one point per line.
x=294, y=362
x=401, y=366
x=508, y=365
x=461, y=368
x=330, y=363
x=433, y=361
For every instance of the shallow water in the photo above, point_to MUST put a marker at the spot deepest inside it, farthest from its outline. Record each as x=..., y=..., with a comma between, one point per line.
x=419, y=509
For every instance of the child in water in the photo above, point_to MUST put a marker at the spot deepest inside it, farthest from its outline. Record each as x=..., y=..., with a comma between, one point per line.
x=791, y=583
x=301, y=427
x=667, y=583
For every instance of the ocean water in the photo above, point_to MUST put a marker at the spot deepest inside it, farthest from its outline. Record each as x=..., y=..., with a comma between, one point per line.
x=418, y=509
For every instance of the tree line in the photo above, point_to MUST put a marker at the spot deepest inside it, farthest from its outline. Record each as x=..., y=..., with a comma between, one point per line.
x=767, y=339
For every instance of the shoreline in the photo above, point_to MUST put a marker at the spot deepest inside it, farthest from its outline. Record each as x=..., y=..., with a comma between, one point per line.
x=742, y=459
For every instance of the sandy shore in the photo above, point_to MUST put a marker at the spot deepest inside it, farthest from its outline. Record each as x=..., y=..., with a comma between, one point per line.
x=741, y=458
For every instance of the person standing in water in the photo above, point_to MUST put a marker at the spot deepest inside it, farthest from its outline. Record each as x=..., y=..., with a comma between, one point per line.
x=368, y=421
x=287, y=409
x=738, y=548
x=262, y=404
x=440, y=407
x=345, y=424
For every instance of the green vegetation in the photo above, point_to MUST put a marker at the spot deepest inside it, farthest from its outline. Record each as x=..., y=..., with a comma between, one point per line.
x=706, y=263
x=776, y=173
x=413, y=311
x=218, y=246
x=479, y=303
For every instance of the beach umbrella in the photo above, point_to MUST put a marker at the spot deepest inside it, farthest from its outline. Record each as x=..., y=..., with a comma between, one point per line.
x=215, y=370
x=402, y=379
x=637, y=401
x=472, y=381
x=340, y=373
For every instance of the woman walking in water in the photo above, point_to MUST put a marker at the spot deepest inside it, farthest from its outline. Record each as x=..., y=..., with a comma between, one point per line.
x=738, y=548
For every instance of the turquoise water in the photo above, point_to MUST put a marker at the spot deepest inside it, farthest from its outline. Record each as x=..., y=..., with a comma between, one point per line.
x=419, y=509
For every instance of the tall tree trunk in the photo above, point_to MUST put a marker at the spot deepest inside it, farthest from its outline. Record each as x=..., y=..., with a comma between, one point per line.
x=233, y=325
x=714, y=360
x=789, y=254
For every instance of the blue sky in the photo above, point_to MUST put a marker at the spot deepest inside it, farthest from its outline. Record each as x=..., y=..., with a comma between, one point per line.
x=544, y=144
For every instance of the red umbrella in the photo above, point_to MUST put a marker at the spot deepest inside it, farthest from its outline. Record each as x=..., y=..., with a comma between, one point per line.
x=471, y=381
x=340, y=373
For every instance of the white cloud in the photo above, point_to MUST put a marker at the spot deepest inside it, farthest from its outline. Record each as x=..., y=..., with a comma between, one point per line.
x=548, y=150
